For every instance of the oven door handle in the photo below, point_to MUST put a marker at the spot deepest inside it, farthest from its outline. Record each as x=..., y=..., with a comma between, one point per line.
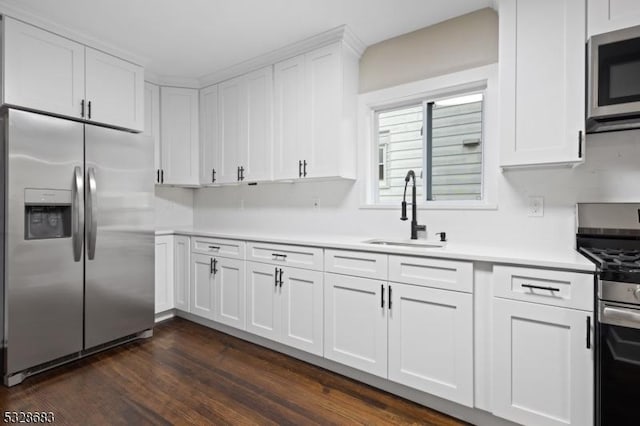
x=624, y=317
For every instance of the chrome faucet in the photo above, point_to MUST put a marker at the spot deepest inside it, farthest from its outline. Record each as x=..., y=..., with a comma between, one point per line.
x=414, y=208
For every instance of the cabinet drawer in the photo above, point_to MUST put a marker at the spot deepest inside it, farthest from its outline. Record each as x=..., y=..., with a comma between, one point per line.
x=429, y=272
x=360, y=264
x=558, y=288
x=216, y=246
x=280, y=254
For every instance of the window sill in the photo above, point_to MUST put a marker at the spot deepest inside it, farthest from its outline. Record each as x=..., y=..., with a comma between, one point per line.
x=434, y=206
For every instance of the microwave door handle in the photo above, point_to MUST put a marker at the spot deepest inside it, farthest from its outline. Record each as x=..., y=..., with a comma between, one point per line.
x=77, y=220
x=92, y=214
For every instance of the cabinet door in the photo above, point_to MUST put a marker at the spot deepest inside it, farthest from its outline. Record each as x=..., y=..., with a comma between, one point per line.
x=229, y=292
x=42, y=71
x=263, y=300
x=302, y=298
x=323, y=110
x=231, y=129
x=355, y=323
x=431, y=341
x=209, y=143
x=152, y=123
x=202, y=286
x=543, y=370
x=256, y=149
x=179, y=135
x=164, y=273
x=289, y=117
x=115, y=90
x=612, y=15
x=542, y=81
x=181, y=272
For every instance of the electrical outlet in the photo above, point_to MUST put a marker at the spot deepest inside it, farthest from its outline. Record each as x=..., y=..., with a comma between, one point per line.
x=536, y=207
x=316, y=203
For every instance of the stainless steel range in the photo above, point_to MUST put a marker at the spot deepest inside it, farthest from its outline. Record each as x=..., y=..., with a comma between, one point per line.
x=609, y=235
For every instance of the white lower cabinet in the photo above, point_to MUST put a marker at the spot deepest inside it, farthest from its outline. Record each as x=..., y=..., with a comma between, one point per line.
x=355, y=322
x=542, y=367
x=217, y=289
x=285, y=304
x=181, y=272
x=417, y=336
x=164, y=268
x=431, y=341
x=201, y=289
x=229, y=294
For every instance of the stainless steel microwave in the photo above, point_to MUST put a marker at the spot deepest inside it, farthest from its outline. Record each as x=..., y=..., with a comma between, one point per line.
x=613, y=90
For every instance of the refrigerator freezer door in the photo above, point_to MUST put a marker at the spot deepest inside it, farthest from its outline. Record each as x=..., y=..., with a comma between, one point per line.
x=119, y=247
x=44, y=269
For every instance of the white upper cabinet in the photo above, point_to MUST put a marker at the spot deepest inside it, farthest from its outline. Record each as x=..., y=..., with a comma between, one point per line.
x=209, y=139
x=542, y=82
x=152, y=123
x=42, y=71
x=49, y=73
x=289, y=129
x=245, y=127
x=231, y=99
x=114, y=90
x=314, y=115
x=179, y=136
x=256, y=148
x=611, y=15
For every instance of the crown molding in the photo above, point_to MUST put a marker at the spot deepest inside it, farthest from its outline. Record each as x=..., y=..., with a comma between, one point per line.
x=341, y=33
x=171, y=81
x=48, y=25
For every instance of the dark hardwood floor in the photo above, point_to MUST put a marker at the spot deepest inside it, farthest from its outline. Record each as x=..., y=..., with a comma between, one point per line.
x=190, y=374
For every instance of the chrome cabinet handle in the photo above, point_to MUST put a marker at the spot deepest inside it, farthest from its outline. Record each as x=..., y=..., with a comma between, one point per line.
x=92, y=214
x=278, y=256
x=77, y=224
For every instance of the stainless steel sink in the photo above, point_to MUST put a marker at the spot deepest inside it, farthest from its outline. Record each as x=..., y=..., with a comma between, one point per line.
x=406, y=243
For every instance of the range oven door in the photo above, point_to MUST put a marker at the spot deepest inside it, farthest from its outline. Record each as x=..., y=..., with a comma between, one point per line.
x=618, y=364
x=614, y=81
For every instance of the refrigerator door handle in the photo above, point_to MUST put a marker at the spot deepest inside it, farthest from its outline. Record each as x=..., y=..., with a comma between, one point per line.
x=77, y=226
x=92, y=216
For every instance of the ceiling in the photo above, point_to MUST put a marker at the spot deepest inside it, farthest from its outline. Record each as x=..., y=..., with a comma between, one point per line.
x=192, y=38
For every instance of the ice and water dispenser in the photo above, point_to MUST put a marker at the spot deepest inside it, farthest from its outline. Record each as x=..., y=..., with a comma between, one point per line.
x=47, y=214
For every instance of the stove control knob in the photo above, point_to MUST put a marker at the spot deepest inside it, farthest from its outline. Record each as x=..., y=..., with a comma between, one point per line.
x=636, y=293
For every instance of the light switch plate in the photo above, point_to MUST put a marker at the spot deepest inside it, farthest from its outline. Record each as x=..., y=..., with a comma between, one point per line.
x=535, y=207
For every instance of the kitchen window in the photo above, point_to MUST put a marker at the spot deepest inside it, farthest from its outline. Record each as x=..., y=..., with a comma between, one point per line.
x=439, y=138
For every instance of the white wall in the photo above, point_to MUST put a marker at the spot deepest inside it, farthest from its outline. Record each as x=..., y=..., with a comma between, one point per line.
x=464, y=42
x=611, y=173
x=174, y=208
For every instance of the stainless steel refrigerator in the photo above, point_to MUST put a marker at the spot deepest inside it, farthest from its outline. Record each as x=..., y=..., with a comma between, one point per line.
x=78, y=244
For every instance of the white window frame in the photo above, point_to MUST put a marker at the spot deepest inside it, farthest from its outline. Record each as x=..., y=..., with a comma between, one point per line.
x=482, y=79
x=383, y=183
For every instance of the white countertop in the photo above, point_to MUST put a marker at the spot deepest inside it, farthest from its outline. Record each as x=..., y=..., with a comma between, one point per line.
x=565, y=259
